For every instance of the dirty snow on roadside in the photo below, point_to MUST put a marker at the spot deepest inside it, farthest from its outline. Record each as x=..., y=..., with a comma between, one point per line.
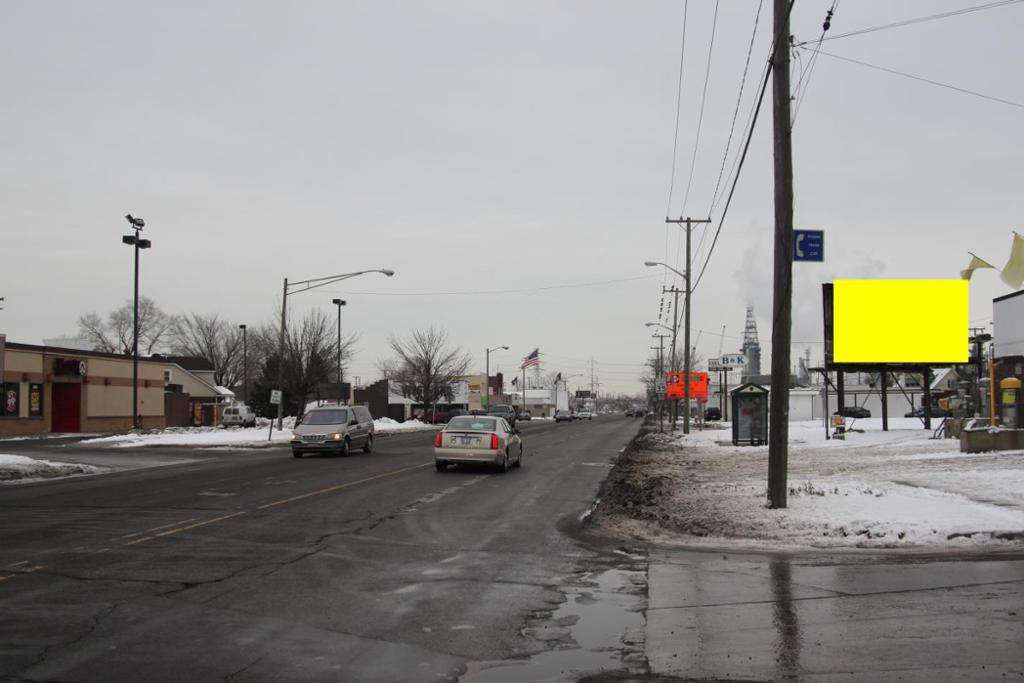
x=20, y=467
x=251, y=437
x=873, y=490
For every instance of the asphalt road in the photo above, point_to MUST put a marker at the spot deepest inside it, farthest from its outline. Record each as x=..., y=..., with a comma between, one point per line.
x=254, y=565
x=251, y=565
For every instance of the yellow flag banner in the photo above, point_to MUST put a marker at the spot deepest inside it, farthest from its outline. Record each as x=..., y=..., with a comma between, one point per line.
x=974, y=265
x=1013, y=271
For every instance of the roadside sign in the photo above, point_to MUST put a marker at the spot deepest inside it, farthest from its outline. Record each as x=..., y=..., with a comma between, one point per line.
x=660, y=386
x=275, y=397
x=699, y=386
x=716, y=365
x=733, y=360
x=808, y=245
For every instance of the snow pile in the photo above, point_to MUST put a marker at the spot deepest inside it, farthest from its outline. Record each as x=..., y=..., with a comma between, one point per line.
x=237, y=437
x=874, y=490
x=20, y=467
x=385, y=425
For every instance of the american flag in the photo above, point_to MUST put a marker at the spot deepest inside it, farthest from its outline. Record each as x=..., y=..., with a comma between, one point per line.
x=532, y=359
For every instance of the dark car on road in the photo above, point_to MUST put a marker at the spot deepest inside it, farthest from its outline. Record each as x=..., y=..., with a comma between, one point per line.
x=564, y=416
x=505, y=411
x=853, y=411
x=712, y=413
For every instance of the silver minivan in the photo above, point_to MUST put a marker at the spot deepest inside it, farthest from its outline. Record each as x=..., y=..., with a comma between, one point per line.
x=333, y=429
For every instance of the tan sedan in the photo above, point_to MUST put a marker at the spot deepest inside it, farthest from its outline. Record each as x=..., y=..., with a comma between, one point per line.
x=469, y=439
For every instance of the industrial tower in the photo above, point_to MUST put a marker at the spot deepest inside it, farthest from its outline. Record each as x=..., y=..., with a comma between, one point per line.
x=751, y=347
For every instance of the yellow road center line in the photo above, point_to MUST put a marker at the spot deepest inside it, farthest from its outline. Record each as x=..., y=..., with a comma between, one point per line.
x=185, y=528
x=339, y=487
x=162, y=526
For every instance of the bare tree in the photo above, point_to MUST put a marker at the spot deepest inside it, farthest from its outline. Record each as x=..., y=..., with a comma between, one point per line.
x=310, y=359
x=425, y=367
x=211, y=337
x=115, y=335
x=92, y=327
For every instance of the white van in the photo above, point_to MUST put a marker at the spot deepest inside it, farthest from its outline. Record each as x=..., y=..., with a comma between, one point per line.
x=238, y=415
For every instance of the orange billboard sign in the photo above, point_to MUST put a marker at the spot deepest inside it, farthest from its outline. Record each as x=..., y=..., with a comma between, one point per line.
x=698, y=385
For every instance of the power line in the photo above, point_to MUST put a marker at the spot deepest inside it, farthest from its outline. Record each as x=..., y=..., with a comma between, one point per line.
x=700, y=116
x=675, y=137
x=736, y=111
x=700, y=122
x=924, y=80
x=736, y=177
x=743, y=156
x=811, y=63
x=508, y=291
x=918, y=20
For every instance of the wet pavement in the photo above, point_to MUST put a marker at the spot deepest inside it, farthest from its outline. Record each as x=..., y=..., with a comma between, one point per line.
x=752, y=617
x=599, y=628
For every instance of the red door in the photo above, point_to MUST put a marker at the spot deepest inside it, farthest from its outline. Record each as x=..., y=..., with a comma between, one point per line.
x=67, y=408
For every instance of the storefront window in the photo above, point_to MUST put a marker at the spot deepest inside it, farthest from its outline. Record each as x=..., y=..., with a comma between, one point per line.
x=12, y=392
x=35, y=400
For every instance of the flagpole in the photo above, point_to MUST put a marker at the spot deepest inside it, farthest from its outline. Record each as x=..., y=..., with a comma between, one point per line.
x=524, y=390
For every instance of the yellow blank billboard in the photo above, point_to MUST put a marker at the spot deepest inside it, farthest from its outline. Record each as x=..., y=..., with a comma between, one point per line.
x=900, y=321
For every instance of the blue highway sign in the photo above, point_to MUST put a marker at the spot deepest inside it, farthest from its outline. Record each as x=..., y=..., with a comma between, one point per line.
x=808, y=245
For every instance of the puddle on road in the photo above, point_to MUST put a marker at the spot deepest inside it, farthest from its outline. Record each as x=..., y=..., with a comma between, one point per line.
x=600, y=622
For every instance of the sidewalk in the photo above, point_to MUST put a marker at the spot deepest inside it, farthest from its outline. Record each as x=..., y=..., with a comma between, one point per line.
x=757, y=617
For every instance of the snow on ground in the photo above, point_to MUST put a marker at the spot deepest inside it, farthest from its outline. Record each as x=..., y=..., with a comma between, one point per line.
x=247, y=437
x=22, y=468
x=873, y=489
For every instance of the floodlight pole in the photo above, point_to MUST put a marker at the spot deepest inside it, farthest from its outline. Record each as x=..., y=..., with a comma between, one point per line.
x=138, y=243
x=245, y=367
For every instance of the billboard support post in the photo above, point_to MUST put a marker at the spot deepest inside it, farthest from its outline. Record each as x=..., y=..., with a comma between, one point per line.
x=885, y=401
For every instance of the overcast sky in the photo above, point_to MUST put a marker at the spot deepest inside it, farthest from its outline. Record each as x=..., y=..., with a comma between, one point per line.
x=500, y=150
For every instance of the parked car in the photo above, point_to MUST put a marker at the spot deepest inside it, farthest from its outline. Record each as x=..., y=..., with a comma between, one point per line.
x=584, y=415
x=432, y=416
x=936, y=412
x=504, y=411
x=523, y=415
x=238, y=415
x=853, y=411
x=333, y=429
x=564, y=416
x=470, y=439
x=455, y=412
x=712, y=413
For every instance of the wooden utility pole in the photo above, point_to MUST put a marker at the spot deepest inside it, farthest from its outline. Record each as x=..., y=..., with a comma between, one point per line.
x=674, y=291
x=686, y=336
x=782, y=304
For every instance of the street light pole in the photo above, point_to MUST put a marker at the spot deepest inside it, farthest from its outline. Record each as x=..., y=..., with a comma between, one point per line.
x=487, y=373
x=341, y=385
x=245, y=367
x=138, y=243
x=305, y=286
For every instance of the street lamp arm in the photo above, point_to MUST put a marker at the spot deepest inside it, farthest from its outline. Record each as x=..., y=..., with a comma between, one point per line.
x=650, y=264
x=306, y=285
